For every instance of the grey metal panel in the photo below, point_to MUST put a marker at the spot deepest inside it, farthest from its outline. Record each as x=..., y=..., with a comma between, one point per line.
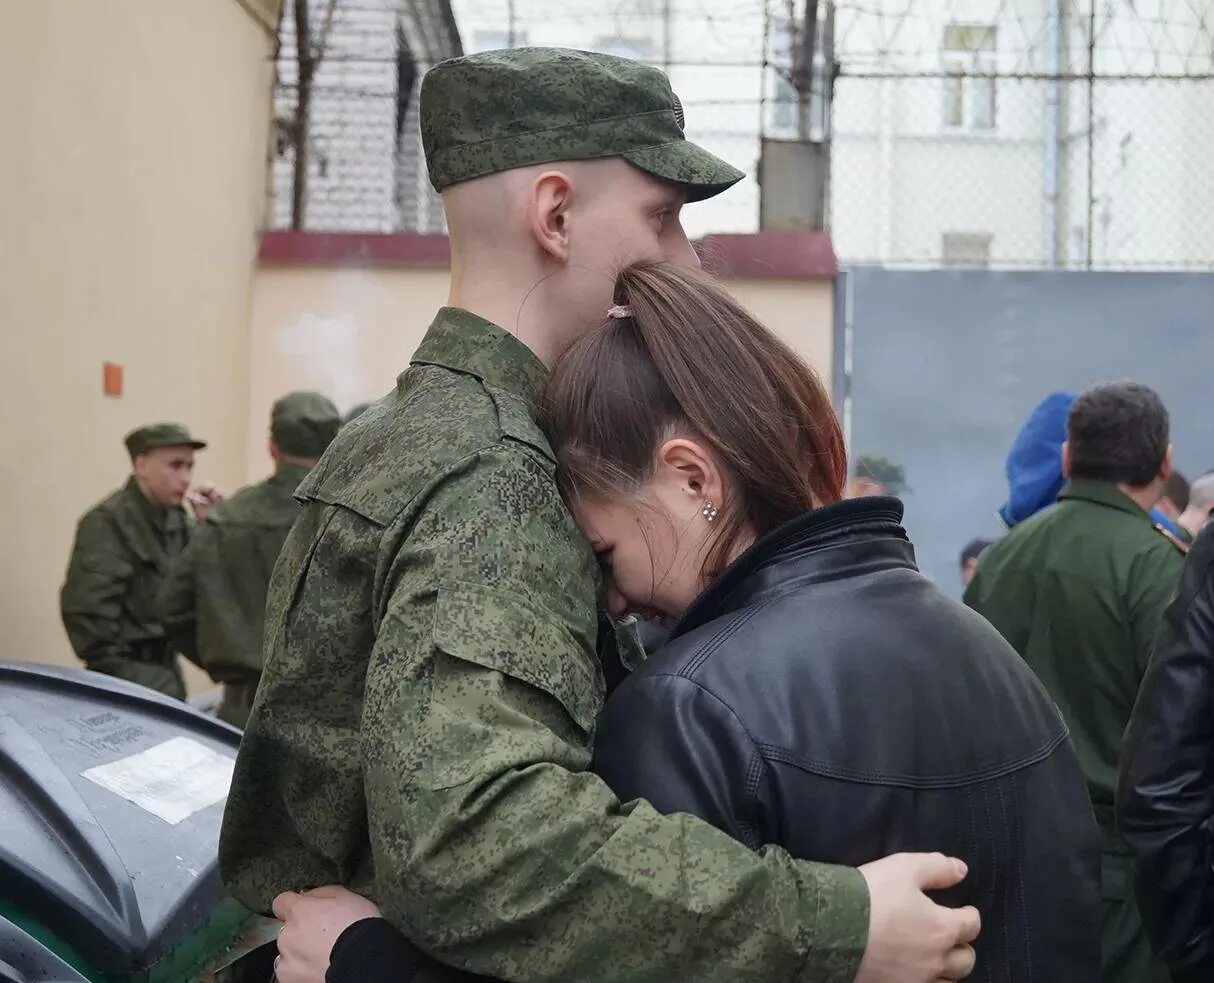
x=948, y=364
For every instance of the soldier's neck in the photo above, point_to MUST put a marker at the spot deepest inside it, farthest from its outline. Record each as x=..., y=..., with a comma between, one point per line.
x=511, y=308
x=1145, y=498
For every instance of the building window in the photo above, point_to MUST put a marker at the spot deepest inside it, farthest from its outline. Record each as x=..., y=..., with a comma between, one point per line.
x=969, y=88
x=966, y=249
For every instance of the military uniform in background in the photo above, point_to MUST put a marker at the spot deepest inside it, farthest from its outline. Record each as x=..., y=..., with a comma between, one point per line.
x=1079, y=590
x=123, y=550
x=213, y=603
x=423, y=730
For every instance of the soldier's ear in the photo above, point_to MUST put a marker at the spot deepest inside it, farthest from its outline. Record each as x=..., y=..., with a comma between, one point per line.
x=551, y=197
x=1165, y=469
x=1066, y=459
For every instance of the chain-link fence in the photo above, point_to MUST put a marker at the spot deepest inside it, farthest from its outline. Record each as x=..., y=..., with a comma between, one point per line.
x=1003, y=171
x=365, y=169
x=1004, y=133
x=350, y=158
x=1069, y=134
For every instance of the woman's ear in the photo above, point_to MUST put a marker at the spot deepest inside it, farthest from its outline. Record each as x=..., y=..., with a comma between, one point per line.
x=693, y=468
x=548, y=213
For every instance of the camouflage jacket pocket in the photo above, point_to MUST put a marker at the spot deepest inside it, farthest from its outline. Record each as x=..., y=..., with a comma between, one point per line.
x=511, y=687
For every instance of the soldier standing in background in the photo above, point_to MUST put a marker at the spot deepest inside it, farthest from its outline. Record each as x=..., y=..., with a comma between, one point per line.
x=124, y=547
x=1079, y=591
x=213, y=602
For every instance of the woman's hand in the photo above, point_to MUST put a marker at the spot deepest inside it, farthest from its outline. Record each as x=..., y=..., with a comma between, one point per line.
x=312, y=923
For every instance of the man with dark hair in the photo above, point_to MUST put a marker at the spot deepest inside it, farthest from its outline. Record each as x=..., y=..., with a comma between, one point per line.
x=1172, y=504
x=970, y=556
x=1079, y=590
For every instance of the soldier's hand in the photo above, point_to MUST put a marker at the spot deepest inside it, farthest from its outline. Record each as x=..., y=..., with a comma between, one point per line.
x=204, y=498
x=312, y=923
x=911, y=939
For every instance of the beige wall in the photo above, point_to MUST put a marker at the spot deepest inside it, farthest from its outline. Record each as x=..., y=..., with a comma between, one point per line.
x=801, y=312
x=350, y=331
x=347, y=332
x=132, y=183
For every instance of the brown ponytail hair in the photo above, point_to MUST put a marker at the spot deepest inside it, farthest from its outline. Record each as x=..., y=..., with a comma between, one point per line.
x=691, y=361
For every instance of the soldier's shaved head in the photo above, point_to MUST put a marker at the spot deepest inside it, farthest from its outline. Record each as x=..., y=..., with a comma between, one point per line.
x=536, y=249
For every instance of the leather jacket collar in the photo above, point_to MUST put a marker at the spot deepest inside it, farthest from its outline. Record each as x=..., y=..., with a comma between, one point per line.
x=808, y=550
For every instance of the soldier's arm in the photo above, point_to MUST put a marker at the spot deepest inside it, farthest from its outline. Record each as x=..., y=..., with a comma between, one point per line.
x=177, y=597
x=494, y=847
x=98, y=577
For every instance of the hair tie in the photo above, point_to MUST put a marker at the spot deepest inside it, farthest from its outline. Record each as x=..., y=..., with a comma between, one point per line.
x=619, y=311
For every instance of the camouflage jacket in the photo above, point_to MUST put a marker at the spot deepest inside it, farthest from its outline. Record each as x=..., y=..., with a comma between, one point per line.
x=124, y=547
x=213, y=601
x=423, y=729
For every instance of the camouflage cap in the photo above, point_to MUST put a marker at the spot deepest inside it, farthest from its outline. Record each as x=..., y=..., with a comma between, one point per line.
x=494, y=111
x=155, y=435
x=303, y=424
x=884, y=472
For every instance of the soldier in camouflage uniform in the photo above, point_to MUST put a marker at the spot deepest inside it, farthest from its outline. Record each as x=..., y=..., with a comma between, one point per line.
x=124, y=547
x=213, y=603
x=423, y=728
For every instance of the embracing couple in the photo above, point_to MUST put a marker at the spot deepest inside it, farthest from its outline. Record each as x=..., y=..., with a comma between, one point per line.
x=594, y=424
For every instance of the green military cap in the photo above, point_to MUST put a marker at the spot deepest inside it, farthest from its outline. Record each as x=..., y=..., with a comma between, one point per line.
x=883, y=471
x=161, y=435
x=494, y=111
x=304, y=424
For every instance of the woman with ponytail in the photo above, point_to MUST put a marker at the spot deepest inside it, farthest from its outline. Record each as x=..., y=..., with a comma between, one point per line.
x=817, y=692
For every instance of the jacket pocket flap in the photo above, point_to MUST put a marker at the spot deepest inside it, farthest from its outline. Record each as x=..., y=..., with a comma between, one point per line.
x=517, y=637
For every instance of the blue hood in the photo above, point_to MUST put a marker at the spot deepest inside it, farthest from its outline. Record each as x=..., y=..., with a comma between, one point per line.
x=1034, y=464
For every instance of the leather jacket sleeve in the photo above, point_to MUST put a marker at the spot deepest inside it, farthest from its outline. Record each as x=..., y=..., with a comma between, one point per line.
x=373, y=951
x=1165, y=801
x=667, y=739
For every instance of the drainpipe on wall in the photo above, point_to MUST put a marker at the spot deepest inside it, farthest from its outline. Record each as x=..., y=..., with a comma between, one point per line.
x=1051, y=181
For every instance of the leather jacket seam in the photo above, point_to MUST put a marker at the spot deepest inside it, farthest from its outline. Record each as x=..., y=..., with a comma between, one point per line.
x=776, y=753
x=757, y=765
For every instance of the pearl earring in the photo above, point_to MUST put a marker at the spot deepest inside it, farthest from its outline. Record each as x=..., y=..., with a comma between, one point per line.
x=709, y=511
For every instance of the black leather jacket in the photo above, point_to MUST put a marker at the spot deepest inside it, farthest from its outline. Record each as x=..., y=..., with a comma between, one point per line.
x=1165, y=798
x=824, y=696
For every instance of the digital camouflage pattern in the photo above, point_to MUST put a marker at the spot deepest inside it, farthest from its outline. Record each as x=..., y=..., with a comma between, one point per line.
x=1079, y=590
x=494, y=111
x=213, y=602
x=423, y=729
x=123, y=550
